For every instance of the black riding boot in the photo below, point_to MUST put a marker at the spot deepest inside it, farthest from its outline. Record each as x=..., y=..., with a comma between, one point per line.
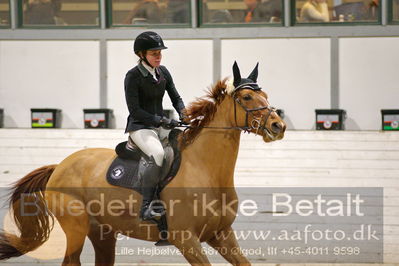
x=150, y=177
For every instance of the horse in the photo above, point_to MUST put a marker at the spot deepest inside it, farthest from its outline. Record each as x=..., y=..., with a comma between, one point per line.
x=209, y=148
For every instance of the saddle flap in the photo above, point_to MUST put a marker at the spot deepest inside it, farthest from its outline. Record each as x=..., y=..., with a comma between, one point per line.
x=125, y=169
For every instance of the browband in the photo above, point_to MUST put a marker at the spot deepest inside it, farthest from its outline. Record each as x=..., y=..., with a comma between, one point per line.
x=248, y=86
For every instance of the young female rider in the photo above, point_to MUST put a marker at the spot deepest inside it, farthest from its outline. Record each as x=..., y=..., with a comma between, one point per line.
x=145, y=86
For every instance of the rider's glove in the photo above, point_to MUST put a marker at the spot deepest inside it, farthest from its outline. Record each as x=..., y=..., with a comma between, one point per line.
x=168, y=123
x=184, y=120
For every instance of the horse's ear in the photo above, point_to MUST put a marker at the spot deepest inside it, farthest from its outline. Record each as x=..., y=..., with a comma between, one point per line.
x=254, y=74
x=237, y=75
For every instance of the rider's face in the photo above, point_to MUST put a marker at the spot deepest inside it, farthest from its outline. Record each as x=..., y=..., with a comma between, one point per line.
x=154, y=57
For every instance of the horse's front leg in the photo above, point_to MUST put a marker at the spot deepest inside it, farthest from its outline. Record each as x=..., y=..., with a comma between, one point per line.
x=190, y=247
x=226, y=244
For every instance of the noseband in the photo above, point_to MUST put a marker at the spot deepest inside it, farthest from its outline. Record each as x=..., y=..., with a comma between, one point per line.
x=256, y=122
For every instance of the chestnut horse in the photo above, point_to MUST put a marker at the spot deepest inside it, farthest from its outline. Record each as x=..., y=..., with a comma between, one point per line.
x=209, y=153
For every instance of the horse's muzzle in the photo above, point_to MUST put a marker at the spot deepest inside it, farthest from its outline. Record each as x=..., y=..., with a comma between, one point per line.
x=278, y=127
x=275, y=132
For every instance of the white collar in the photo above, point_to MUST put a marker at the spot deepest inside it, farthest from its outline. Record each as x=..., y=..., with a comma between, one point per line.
x=151, y=70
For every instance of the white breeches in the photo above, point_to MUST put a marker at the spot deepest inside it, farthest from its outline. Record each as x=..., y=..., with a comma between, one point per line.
x=149, y=142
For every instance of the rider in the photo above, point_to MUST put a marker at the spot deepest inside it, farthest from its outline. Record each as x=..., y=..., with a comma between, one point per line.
x=145, y=86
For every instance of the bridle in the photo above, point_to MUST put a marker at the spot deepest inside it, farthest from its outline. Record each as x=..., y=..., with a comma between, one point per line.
x=256, y=123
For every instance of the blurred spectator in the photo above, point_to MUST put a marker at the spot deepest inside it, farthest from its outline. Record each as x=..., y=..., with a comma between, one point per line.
x=4, y=12
x=372, y=10
x=221, y=16
x=178, y=11
x=252, y=13
x=271, y=10
x=42, y=12
x=256, y=11
x=215, y=16
x=315, y=11
x=145, y=12
x=350, y=11
x=266, y=11
x=357, y=11
x=205, y=11
x=395, y=8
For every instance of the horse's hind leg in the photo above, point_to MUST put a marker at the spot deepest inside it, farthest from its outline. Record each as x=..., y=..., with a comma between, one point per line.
x=74, y=222
x=104, y=242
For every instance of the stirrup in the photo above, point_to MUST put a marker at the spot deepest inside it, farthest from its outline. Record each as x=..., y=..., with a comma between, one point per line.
x=149, y=214
x=153, y=211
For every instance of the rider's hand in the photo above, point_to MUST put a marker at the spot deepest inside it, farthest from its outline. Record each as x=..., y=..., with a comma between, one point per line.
x=184, y=118
x=168, y=123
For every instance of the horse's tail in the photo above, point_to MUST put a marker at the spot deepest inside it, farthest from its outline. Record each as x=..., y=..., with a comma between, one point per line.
x=30, y=212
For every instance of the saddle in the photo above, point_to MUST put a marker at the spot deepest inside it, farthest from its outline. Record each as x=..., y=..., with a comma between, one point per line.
x=124, y=171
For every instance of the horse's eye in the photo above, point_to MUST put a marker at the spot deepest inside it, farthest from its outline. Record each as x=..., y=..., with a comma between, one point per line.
x=247, y=97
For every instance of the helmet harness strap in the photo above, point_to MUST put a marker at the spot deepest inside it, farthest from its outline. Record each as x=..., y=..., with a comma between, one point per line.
x=144, y=58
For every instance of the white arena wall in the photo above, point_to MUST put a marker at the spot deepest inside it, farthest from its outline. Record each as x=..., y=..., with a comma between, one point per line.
x=369, y=79
x=48, y=74
x=294, y=71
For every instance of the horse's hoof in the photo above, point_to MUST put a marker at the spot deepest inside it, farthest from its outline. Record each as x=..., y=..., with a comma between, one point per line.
x=163, y=242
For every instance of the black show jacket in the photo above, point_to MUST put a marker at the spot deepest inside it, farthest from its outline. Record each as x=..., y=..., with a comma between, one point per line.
x=144, y=97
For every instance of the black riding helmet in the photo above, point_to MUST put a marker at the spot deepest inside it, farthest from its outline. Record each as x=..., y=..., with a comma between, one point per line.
x=148, y=40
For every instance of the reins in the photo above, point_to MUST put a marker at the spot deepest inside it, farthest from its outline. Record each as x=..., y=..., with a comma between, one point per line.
x=255, y=124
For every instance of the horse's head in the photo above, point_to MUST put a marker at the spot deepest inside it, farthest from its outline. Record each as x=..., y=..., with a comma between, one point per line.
x=252, y=110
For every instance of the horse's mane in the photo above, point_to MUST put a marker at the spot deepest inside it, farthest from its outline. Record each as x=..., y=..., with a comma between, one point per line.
x=202, y=110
